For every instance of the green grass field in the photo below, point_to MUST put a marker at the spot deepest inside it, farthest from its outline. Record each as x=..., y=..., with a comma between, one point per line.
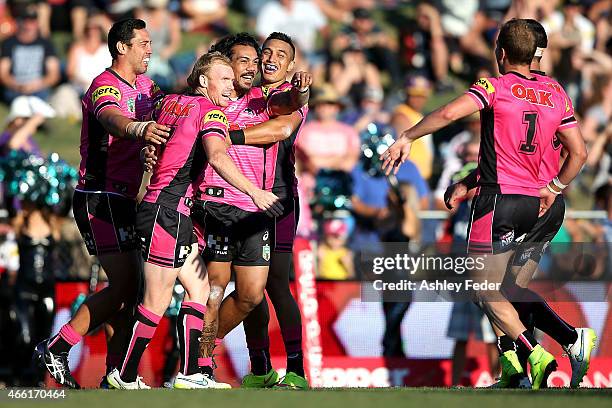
x=353, y=398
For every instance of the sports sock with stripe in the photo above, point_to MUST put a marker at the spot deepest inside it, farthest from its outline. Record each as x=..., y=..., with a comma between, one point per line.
x=63, y=341
x=189, y=328
x=143, y=330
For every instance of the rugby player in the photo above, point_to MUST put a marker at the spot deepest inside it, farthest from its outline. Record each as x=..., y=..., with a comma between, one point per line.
x=509, y=197
x=237, y=234
x=533, y=310
x=112, y=134
x=278, y=54
x=199, y=130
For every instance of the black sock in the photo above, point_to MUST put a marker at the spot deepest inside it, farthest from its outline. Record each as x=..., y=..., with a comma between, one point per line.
x=545, y=319
x=525, y=343
x=142, y=332
x=295, y=363
x=58, y=344
x=505, y=343
x=189, y=325
x=208, y=370
x=260, y=361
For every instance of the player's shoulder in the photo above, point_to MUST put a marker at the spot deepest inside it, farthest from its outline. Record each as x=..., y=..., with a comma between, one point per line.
x=211, y=112
x=105, y=84
x=489, y=84
x=106, y=77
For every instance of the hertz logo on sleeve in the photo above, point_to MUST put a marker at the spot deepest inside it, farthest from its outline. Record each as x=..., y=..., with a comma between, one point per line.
x=105, y=91
x=488, y=86
x=217, y=116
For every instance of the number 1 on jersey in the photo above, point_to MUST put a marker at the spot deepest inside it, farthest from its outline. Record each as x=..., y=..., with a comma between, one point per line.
x=527, y=146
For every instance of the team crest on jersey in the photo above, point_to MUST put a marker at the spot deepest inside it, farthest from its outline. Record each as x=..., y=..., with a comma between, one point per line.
x=105, y=91
x=486, y=84
x=250, y=112
x=265, y=252
x=131, y=104
x=217, y=116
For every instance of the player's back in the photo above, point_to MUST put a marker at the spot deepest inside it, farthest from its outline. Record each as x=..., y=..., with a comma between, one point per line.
x=182, y=158
x=519, y=117
x=550, y=163
x=110, y=163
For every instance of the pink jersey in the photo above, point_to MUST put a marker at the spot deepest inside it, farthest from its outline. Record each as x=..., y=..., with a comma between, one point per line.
x=519, y=118
x=552, y=155
x=253, y=161
x=285, y=181
x=182, y=159
x=110, y=163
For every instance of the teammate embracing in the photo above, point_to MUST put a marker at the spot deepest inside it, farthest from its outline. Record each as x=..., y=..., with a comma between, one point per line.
x=278, y=53
x=237, y=234
x=520, y=117
x=112, y=135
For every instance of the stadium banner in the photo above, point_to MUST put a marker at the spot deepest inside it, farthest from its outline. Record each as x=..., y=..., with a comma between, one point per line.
x=350, y=338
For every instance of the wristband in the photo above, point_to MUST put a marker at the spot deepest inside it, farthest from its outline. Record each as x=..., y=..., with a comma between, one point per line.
x=137, y=129
x=237, y=136
x=558, y=183
x=539, y=52
x=552, y=190
x=305, y=90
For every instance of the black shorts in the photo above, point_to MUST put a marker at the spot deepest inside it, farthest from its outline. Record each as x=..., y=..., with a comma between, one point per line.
x=106, y=222
x=285, y=226
x=499, y=221
x=542, y=233
x=165, y=235
x=233, y=235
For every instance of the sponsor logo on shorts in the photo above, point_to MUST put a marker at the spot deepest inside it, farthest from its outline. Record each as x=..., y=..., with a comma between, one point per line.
x=127, y=234
x=265, y=252
x=105, y=91
x=216, y=116
x=184, y=252
x=218, y=244
x=507, y=238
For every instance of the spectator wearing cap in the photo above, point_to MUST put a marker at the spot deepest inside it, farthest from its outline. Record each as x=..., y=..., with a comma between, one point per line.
x=335, y=259
x=370, y=110
x=417, y=90
x=324, y=143
x=379, y=47
x=28, y=62
x=26, y=115
x=351, y=73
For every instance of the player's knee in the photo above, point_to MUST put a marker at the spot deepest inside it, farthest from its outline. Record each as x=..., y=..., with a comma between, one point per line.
x=250, y=299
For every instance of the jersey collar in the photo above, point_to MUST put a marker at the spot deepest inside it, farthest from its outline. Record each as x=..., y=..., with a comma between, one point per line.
x=120, y=78
x=518, y=74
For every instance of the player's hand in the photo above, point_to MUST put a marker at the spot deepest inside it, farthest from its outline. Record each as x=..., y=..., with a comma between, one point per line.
x=156, y=133
x=268, y=202
x=454, y=194
x=301, y=80
x=148, y=158
x=546, y=200
x=395, y=155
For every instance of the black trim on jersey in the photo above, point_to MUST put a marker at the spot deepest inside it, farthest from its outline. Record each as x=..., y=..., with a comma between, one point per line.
x=518, y=74
x=97, y=155
x=284, y=177
x=488, y=157
x=211, y=130
x=177, y=187
x=120, y=78
x=103, y=105
x=535, y=71
x=480, y=97
x=568, y=120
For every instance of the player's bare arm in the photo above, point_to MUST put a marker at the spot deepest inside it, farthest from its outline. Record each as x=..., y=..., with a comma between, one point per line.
x=271, y=131
x=400, y=150
x=283, y=103
x=118, y=125
x=216, y=151
x=573, y=143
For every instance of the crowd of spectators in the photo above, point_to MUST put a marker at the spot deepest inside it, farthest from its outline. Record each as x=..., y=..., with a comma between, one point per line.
x=378, y=67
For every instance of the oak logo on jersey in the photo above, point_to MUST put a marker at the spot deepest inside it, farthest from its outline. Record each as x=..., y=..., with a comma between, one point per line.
x=486, y=84
x=105, y=91
x=538, y=97
x=178, y=109
x=217, y=116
